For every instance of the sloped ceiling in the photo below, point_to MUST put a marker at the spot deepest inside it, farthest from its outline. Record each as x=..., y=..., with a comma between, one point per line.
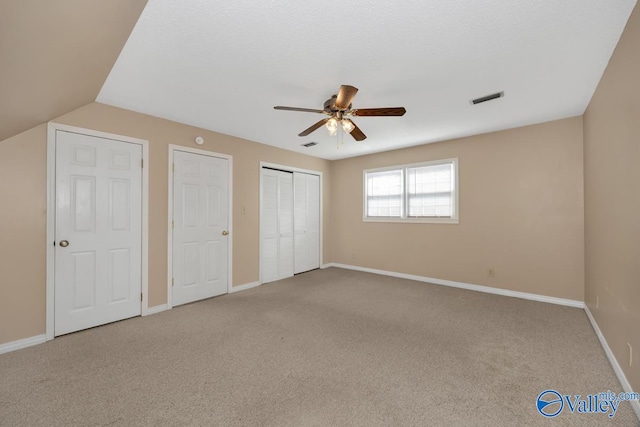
x=224, y=65
x=56, y=55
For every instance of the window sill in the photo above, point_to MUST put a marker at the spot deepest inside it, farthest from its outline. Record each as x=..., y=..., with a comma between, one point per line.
x=415, y=220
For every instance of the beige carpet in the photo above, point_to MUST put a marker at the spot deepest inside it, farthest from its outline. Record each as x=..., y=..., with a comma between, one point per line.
x=326, y=348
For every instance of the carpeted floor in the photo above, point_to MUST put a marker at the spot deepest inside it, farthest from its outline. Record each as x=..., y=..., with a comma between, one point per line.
x=326, y=348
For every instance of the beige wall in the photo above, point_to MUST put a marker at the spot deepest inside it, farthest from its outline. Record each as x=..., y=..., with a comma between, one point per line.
x=612, y=201
x=56, y=55
x=527, y=227
x=521, y=213
x=23, y=216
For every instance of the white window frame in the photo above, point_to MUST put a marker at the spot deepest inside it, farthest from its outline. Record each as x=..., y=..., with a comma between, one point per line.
x=455, y=217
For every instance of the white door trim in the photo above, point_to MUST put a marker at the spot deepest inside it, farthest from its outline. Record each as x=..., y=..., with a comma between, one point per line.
x=287, y=169
x=172, y=149
x=51, y=218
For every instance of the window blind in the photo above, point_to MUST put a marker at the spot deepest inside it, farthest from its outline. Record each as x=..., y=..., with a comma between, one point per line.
x=384, y=194
x=430, y=191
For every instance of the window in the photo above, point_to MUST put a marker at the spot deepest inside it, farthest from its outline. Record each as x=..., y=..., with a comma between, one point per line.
x=424, y=192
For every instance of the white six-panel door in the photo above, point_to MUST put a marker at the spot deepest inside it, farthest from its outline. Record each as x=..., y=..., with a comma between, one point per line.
x=200, y=227
x=306, y=215
x=98, y=231
x=276, y=225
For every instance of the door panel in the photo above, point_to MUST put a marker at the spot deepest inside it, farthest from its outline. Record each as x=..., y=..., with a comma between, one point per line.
x=307, y=221
x=269, y=226
x=200, y=207
x=120, y=195
x=285, y=224
x=191, y=264
x=300, y=209
x=214, y=251
x=98, y=211
x=313, y=221
x=83, y=284
x=119, y=270
x=84, y=209
x=276, y=225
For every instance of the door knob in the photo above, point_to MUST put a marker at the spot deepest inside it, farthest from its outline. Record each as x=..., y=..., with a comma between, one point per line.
x=64, y=243
x=225, y=232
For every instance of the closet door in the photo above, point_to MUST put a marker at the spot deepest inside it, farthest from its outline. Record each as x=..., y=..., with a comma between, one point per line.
x=285, y=224
x=306, y=202
x=276, y=225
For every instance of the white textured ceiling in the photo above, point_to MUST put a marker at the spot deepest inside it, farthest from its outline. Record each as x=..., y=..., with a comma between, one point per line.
x=223, y=65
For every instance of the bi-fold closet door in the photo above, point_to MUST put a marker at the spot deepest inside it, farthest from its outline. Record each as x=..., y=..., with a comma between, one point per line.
x=289, y=223
x=276, y=225
x=306, y=222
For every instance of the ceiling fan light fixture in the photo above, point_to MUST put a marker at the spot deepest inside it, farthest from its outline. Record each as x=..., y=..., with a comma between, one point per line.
x=337, y=108
x=332, y=126
x=347, y=125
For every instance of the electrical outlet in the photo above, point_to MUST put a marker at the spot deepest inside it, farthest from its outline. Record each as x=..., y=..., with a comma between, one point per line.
x=630, y=354
x=491, y=272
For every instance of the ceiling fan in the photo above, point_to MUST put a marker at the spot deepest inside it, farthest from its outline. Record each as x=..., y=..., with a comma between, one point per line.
x=338, y=108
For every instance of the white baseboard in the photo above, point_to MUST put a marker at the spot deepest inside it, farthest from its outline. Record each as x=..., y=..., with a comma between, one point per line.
x=23, y=343
x=614, y=362
x=244, y=287
x=469, y=286
x=157, y=309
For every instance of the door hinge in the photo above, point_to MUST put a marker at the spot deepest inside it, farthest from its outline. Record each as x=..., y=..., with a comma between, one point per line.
x=172, y=225
x=173, y=281
x=141, y=299
x=142, y=163
x=174, y=167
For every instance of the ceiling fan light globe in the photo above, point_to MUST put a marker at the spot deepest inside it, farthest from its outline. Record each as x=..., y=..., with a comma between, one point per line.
x=332, y=126
x=347, y=125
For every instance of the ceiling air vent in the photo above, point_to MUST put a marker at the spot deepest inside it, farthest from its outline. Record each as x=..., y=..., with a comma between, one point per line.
x=309, y=144
x=487, y=98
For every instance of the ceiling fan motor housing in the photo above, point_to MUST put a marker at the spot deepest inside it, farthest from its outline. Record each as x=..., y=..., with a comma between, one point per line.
x=330, y=105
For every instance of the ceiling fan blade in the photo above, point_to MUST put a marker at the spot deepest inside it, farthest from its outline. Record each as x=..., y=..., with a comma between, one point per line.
x=345, y=96
x=313, y=127
x=394, y=111
x=357, y=134
x=306, y=110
